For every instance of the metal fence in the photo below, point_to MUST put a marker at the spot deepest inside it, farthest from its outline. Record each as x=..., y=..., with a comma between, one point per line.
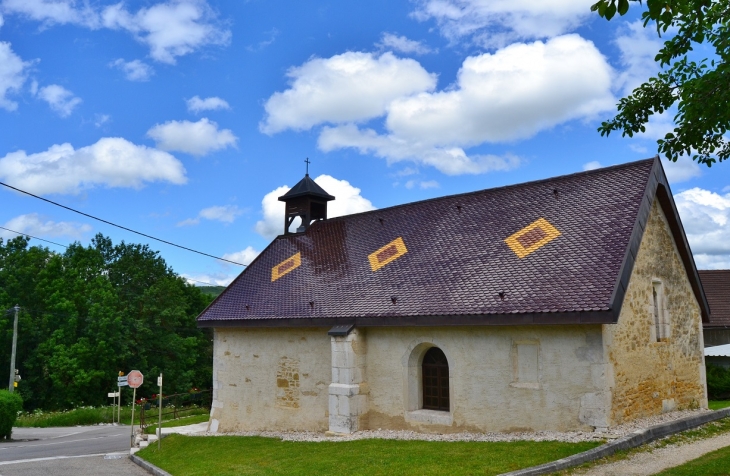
x=173, y=406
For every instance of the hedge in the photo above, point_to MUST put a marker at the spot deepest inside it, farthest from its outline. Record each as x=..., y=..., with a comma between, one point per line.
x=10, y=405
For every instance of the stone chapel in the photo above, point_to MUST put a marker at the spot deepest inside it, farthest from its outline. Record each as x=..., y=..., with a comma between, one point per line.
x=571, y=303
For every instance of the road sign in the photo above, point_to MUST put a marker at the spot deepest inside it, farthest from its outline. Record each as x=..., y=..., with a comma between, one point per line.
x=122, y=379
x=112, y=394
x=159, y=381
x=135, y=378
x=122, y=384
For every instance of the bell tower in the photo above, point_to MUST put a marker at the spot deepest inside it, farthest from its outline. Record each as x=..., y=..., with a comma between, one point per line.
x=306, y=200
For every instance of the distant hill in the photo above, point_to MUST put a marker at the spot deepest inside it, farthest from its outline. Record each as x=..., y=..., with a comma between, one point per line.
x=212, y=290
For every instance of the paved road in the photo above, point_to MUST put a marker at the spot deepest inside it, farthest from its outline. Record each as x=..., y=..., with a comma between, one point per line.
x=89, y=450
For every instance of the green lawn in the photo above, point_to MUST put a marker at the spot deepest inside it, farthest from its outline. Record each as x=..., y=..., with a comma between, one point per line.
x=716, y=463
x=718, y=404
x=239, y=455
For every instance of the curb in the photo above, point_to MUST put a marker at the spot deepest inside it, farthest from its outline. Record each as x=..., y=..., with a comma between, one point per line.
x=149, y=467
x=632, y=440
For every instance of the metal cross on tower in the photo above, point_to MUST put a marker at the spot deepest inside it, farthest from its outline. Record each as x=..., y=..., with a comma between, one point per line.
x=306, y=161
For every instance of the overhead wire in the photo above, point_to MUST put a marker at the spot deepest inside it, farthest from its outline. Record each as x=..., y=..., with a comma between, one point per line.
x=59, y=244
x=34, y=237
x=120, y=226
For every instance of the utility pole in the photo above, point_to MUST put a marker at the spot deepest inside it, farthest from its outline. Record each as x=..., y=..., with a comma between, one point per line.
x=11, y=386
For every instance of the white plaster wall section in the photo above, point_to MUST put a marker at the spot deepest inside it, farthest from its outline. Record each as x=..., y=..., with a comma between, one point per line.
x=595, y=404
x=480, y=372
x=250, y=366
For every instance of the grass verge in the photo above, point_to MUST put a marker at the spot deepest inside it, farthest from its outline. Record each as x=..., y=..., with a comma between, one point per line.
x=88, y=416
x=718, y=404
x=236, y=455
x=188, y=420
x=716, y=463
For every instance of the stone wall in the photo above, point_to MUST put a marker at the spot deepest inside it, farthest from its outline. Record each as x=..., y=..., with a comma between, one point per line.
x=270, y=379
x=650, y=373
x=556, y=384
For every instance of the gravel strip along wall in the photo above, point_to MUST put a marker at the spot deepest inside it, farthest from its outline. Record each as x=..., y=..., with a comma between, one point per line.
x=633, y=440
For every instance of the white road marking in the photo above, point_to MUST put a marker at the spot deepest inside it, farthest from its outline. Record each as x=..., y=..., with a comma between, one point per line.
x=49, y=458
x=58, y=442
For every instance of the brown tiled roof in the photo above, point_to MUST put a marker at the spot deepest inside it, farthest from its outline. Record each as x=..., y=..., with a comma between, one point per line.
x=553, y=251
x=717, y=289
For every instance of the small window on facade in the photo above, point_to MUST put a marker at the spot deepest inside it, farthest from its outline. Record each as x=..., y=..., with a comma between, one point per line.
x=527, y=363
x=435, y=375
x=658, y=305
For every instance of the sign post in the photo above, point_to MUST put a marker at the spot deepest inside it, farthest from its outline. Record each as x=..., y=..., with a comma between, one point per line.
x=159, y=421
x=113, y=395
x=134, y=380
x=121, y=382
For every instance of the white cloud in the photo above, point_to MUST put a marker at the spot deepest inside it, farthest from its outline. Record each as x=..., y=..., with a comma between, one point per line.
x=429, y=184
x=101, y=119
x=134, y=70
x=221, y=278
x=449, y=160
x=349, y=87
x=170, y=29
x=195, y=104
x=196, y=138
x=53, y=11
x=34, y=224
x=244, y=256
x=347, y=201
x=110, y=162
x=705, y=216
x=592, y=165
x=682, y=170
x=60, y=99
x=12, y=75
x=638, y=46
x=495, y=23
x=424, y=185
x=512, y=94
x=402, y=44
x=225, y=214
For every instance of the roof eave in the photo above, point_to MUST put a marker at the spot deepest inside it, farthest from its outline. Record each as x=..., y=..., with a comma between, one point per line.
x=509, y=319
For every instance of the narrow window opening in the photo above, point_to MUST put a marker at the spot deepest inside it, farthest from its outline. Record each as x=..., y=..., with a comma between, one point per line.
x=435, y=375
x=658, y=310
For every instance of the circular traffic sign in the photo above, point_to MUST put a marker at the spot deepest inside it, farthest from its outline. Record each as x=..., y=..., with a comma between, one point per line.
x=135, y=378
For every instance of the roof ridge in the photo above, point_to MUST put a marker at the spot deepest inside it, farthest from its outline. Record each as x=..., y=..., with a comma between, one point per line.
x=502, y=187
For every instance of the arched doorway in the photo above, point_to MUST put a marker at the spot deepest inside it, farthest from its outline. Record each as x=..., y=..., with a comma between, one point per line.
x=435, y=376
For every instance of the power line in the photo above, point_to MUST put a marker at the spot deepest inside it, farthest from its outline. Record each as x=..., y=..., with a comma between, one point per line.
x=120, y=226
x=59, y=244
x=31, y=236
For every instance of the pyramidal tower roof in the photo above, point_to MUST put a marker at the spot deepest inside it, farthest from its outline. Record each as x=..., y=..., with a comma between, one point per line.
x=306, y=187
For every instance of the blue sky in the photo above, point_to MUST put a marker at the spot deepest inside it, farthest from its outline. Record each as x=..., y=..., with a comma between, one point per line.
x=186, y=119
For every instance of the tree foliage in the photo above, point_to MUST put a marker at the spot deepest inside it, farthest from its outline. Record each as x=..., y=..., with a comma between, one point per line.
x=700, y=89
x=92, y=311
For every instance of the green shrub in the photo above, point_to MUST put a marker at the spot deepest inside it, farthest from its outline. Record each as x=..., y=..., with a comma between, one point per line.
x=10, y=405
x=718, y=382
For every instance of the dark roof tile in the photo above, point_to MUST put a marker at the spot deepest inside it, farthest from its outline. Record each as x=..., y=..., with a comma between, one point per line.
x=457, y=261
x=717, y=289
